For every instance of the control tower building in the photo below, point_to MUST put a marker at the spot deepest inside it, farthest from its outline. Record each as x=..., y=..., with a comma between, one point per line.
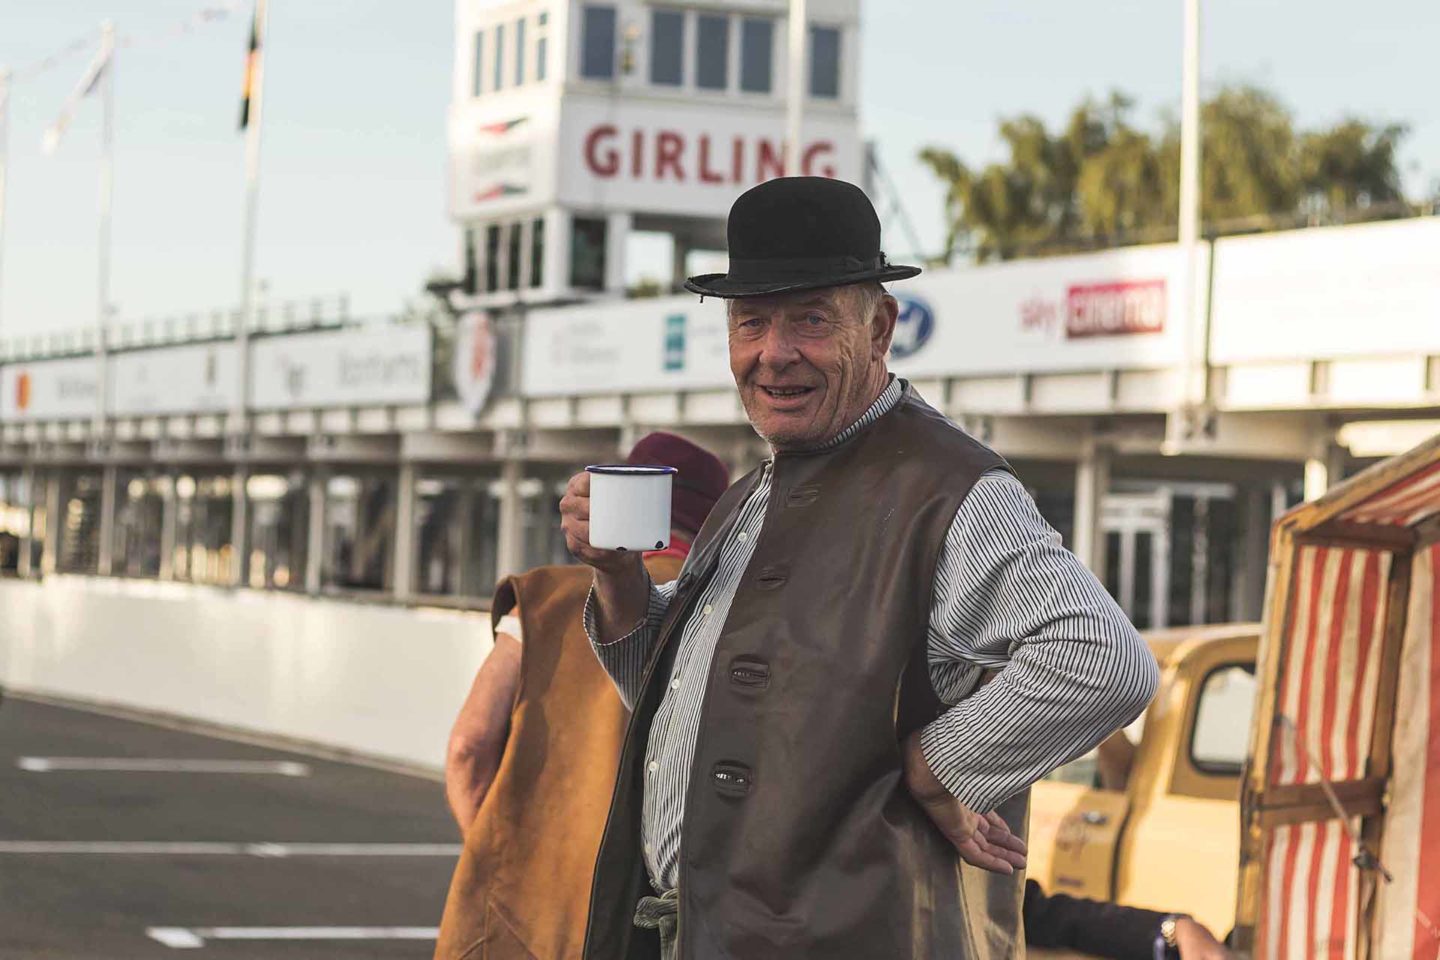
x=575, y=125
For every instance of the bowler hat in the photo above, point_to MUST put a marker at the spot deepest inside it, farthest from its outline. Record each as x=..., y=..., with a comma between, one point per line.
x=800, y=233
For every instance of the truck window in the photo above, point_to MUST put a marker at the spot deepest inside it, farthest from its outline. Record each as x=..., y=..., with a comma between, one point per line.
x=1221, y=734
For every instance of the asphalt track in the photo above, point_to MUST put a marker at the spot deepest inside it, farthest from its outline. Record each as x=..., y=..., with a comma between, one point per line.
x=220, y=859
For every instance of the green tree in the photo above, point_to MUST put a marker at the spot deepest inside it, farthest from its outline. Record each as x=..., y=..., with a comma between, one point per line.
x=1102, y=180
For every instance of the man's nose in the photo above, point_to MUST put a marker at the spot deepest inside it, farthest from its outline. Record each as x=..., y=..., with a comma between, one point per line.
x=778, y=349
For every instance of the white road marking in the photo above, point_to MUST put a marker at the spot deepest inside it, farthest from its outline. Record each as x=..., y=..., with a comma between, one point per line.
x=207, y=849
x=189, y=938
x=283, y=768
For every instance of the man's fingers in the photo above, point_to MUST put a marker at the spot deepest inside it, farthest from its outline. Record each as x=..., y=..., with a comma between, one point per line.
x=974, y=852
x=998, y=834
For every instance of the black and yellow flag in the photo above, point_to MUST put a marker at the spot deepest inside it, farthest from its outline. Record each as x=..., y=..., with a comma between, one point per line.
x=252, y=63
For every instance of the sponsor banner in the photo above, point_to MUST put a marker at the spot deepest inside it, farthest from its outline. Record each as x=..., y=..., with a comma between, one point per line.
x=1105, y=311
x=1115, y=310
x=204, y=378
x=50, y=390
x=502, y=161
x=473, y=366
x=673, y=343
x=692, y=161
x=1363, y=290
x=371, y=365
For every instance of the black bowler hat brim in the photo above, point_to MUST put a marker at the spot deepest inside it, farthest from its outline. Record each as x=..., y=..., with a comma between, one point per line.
x=726, y=287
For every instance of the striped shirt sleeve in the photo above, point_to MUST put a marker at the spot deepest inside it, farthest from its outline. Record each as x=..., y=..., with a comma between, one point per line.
x=1071, y=666
x=624, y=659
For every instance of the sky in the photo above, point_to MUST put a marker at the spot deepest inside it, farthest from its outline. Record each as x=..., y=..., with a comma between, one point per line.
x=353, y=167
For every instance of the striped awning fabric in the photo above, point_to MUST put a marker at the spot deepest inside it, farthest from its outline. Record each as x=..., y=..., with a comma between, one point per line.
x=1405, y=503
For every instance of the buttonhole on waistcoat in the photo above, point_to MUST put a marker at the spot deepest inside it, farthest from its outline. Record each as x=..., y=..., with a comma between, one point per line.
x=802, y=495
x=732, y=779
x=750, y=672
x=771, y=578
x=685, y=581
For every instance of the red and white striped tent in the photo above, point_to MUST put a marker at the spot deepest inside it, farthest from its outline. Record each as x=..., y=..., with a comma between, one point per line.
x=1341, y=805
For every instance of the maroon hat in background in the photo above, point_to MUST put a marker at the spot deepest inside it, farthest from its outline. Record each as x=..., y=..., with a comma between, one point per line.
x=700, y=477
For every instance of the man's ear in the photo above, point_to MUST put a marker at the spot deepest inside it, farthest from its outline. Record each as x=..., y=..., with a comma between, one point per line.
x=882, y=330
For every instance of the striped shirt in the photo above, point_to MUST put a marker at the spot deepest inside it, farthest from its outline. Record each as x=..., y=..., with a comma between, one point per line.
x=1007, y=595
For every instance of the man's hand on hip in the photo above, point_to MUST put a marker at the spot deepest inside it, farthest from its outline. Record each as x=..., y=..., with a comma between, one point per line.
x=983, y=841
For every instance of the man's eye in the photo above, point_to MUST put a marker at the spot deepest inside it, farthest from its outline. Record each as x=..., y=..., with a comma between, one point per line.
x=814, y=320
x=750, y=324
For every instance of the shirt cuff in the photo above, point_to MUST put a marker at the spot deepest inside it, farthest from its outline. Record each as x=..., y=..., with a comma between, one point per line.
x=932, y=747
x=593, y=633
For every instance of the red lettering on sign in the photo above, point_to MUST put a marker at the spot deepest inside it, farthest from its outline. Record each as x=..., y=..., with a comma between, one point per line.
x=604, y=163
x=737, y=160
x=637, y=154
x=1114, y=309
x=771, y=162
x=706, y=174
x=669, y=146
x=813, y=151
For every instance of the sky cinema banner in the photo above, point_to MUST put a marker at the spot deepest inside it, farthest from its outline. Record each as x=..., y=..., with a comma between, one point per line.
x=1116, y=310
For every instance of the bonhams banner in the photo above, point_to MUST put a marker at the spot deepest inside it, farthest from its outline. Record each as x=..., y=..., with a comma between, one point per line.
x=377, y=366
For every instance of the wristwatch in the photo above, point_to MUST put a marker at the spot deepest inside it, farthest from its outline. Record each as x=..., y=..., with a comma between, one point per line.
x=1166, y=939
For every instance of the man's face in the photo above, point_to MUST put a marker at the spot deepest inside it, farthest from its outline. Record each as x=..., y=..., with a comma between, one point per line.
x=808, y=364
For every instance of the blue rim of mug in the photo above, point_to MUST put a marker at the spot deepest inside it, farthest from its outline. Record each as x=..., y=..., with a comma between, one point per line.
x=630, y=469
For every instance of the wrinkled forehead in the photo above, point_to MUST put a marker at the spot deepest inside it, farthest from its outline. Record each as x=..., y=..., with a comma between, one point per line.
x=829, y=298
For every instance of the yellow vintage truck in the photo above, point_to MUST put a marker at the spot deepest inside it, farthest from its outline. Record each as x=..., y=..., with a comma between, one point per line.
x=1153, y=820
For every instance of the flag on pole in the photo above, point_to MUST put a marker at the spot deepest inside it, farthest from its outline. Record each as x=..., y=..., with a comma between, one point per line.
x=252, y=64
x=87, y=85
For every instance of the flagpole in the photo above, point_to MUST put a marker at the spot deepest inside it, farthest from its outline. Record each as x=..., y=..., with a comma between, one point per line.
x=254, y=115
x=253, y=127
x=795, y=95
x=107, y=183
x=5, y=77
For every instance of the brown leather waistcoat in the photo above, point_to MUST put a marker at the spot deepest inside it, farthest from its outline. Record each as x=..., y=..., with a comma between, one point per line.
x=522, y=885
x=800, y=839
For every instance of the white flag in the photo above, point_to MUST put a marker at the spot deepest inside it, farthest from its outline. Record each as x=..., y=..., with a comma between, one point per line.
x=83, y=89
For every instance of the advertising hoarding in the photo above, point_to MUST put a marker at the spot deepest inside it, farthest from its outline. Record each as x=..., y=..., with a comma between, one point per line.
x=202, y=378
x=383, y=365
x=1365, y=289
x=50, y=390
x=1107, y=311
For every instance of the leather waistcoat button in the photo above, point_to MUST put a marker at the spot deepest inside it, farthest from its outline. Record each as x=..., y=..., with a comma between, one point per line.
x=750, y=672
x=731, y=779
x=802, y=495
x=772, y=577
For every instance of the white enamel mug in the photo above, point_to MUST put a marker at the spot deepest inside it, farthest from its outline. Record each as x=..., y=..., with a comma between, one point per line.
x=630, y=506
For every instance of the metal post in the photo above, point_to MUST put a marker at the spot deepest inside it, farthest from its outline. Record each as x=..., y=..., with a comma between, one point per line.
x=510, y=532
x=50, y=559
x=109, y=477
x=315, y=533
x=169, y=509
x=253, y=129
x=798, y=88
x=5, y=76
x=24, y=566
x=1189, y=212
x=107, y=184
x=1092, y=481
x=239, y=526
x=404, y=543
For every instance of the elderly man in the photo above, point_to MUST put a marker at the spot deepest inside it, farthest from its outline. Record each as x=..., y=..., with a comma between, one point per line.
x=811, y=752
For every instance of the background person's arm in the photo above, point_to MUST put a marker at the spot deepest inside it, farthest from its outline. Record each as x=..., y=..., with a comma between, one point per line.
x=477, y=740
